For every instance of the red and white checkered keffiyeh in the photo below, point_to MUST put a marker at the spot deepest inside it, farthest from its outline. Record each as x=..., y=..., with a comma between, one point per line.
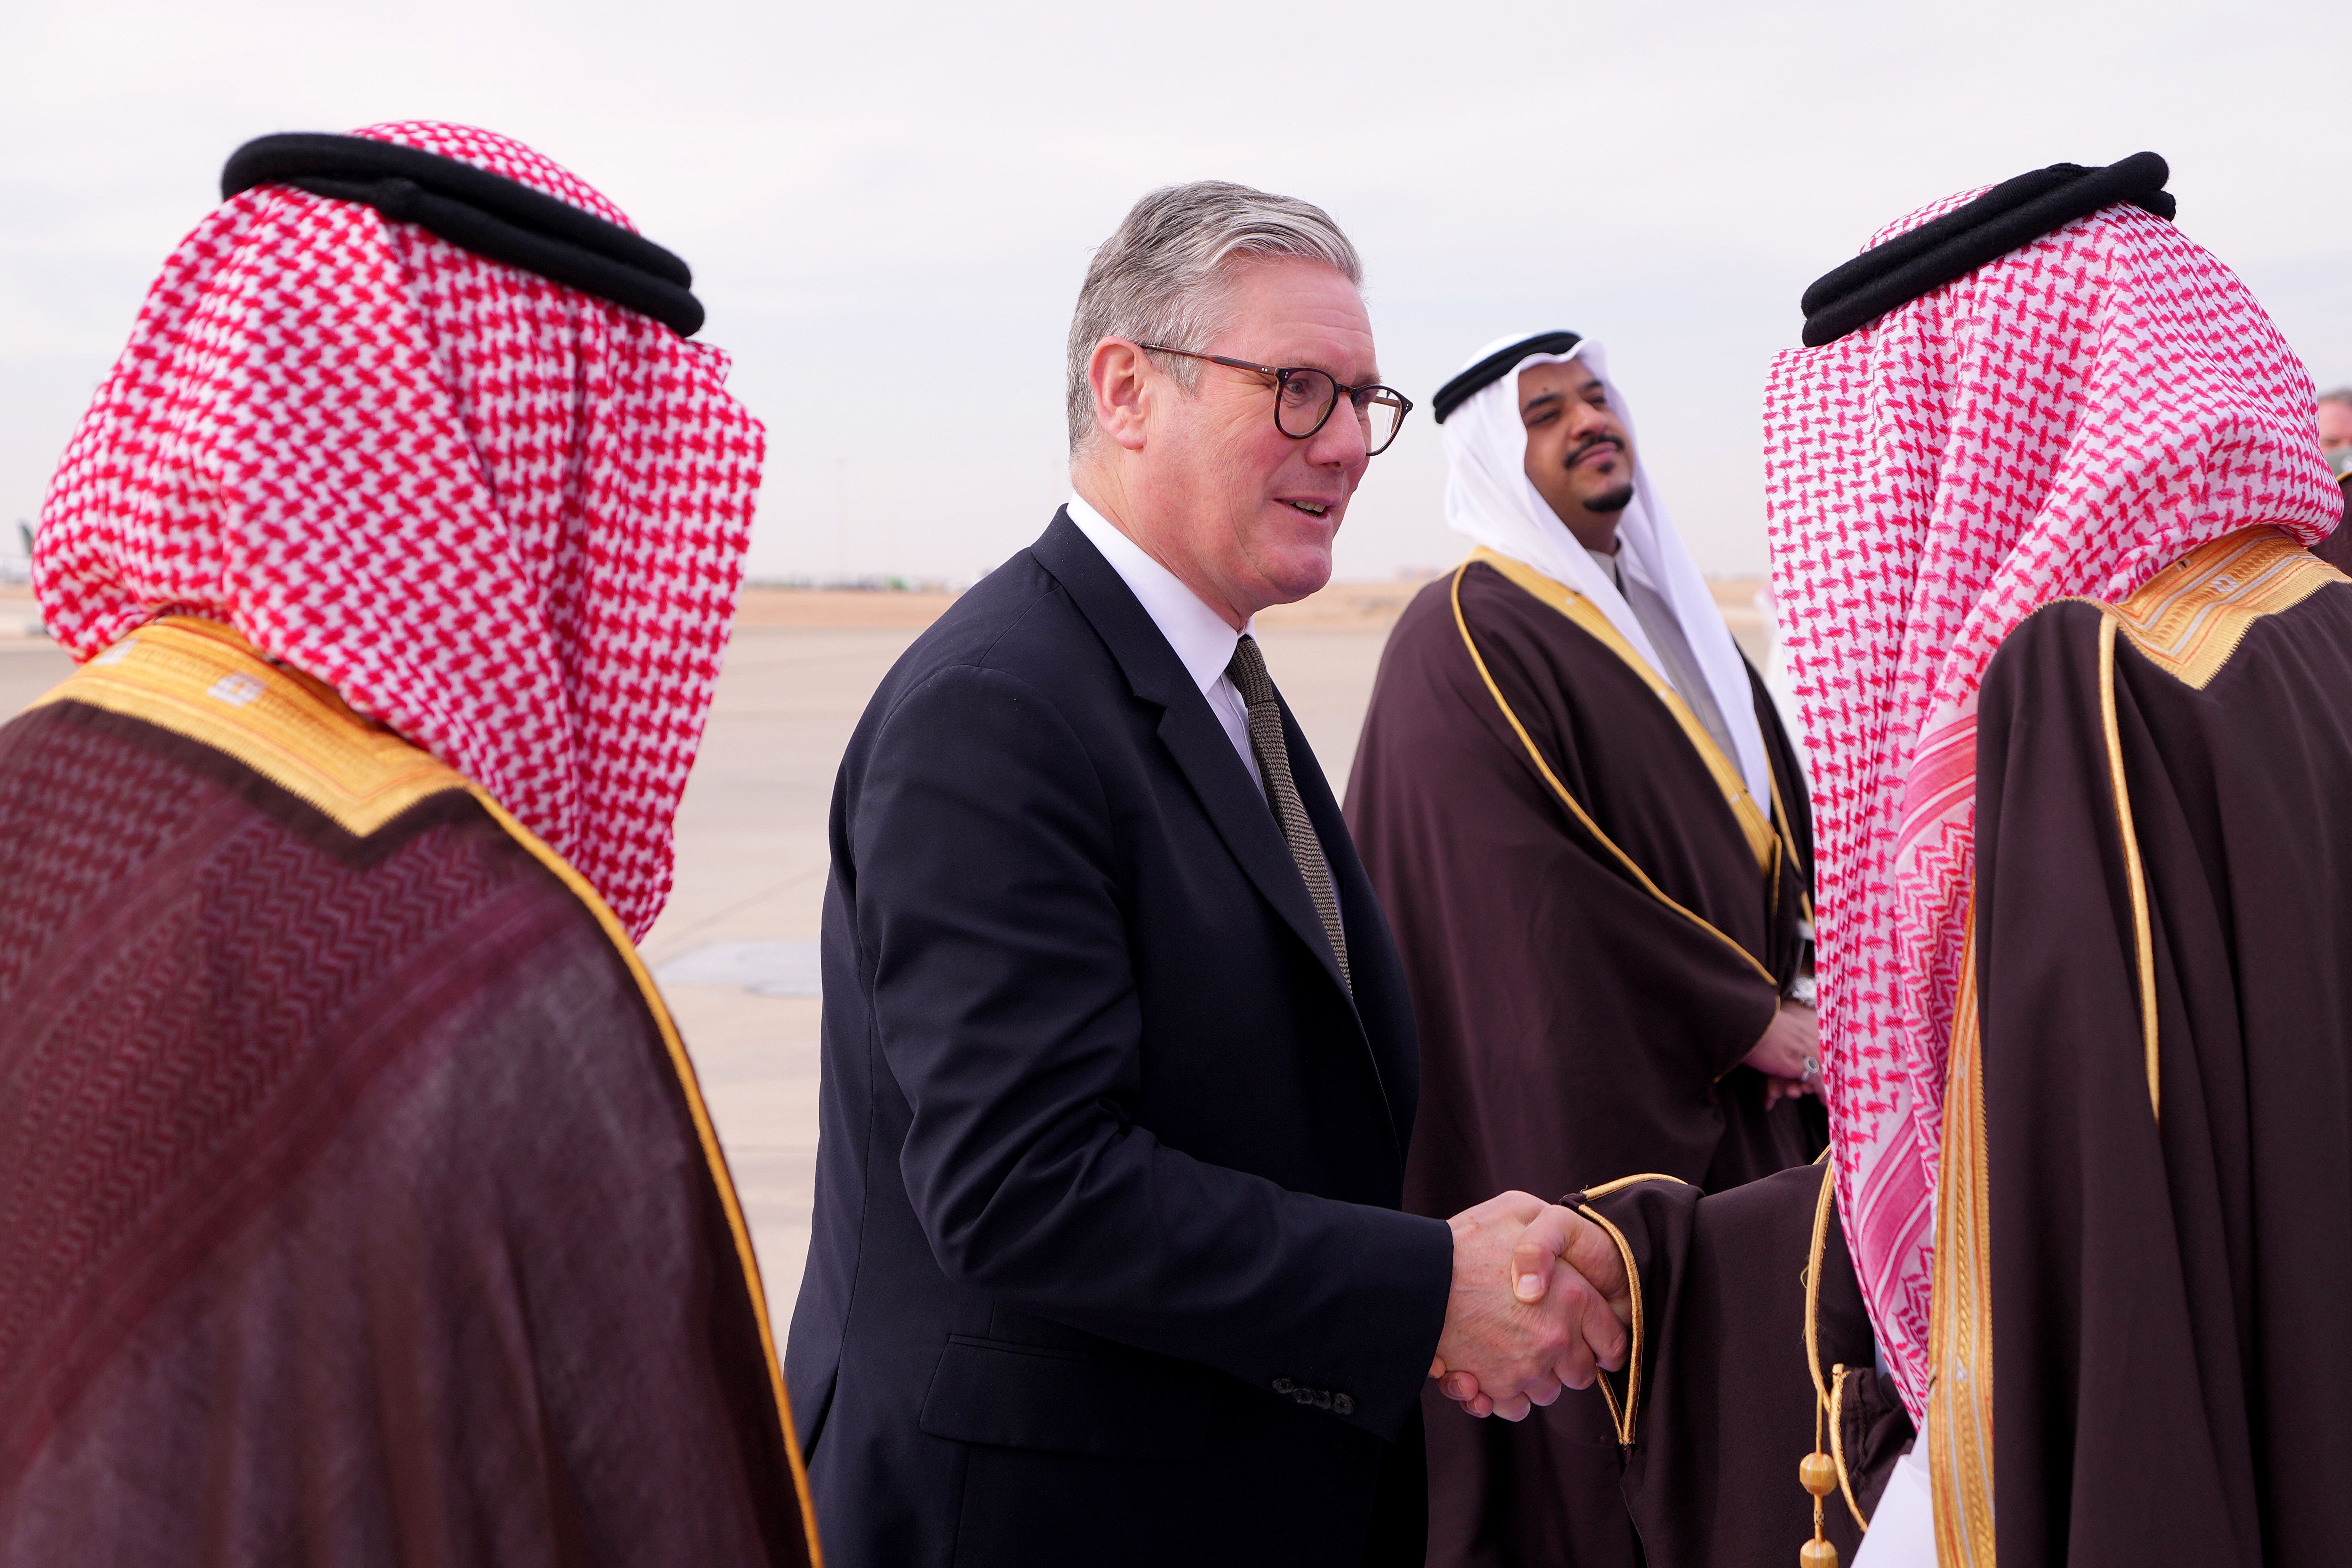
x=2066, y=420
x=502, y=517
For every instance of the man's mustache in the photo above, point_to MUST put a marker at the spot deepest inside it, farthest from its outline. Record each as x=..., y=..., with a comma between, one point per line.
x=1577, y=455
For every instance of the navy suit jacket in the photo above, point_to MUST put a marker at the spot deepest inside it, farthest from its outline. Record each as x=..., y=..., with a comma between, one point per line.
x=1108, y=1263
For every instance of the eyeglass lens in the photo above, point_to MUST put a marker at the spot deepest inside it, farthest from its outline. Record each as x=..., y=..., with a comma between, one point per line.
x=1306, y=399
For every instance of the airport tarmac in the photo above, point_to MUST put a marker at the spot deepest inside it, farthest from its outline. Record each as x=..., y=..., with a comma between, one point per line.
x=734, y=951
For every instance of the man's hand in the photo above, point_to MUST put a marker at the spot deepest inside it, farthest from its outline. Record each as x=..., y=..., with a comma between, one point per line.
x=1788, y=1056
x=1562, y=1241
x=1521, y=1322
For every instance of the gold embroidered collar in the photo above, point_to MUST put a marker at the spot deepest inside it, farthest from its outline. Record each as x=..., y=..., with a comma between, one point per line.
x=200, y=679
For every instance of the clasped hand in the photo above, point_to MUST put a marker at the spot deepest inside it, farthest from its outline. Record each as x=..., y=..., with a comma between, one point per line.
x=1539, y=1300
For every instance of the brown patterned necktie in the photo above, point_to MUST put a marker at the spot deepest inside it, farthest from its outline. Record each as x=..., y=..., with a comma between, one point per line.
x=1247, y=672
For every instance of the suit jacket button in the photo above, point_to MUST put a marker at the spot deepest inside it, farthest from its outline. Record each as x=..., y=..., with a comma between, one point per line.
x=1323, y=1399
x=1342, y=1405
x=1284, y=1385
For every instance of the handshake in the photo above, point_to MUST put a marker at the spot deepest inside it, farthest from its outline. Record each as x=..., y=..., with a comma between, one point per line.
x=1539, y=1300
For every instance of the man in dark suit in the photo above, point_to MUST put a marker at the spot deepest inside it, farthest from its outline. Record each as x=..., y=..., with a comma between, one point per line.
x=1118, y=1063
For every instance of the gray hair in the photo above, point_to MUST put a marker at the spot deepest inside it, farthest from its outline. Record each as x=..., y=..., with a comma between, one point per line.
x=1161, y=276
x=2338, y=394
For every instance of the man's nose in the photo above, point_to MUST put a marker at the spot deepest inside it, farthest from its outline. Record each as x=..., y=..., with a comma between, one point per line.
x=1340, y=442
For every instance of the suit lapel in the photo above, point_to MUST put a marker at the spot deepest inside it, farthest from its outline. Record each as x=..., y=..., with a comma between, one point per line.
x=1198, y=743
x=1190, y=731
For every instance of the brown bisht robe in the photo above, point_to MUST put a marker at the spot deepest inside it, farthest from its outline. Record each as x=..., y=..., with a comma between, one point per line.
x=1752, y=1344
x=357, y=1204
x=1594, y=937
x=2145, y=1210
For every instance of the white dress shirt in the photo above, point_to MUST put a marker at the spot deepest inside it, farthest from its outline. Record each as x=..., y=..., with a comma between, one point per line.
x=1204, y=642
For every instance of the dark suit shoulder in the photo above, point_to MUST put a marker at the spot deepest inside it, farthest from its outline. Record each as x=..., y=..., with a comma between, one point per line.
x=1002, y=603
x=1018, y=621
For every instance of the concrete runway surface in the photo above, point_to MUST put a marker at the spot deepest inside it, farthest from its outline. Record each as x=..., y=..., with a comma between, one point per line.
x=735, y=950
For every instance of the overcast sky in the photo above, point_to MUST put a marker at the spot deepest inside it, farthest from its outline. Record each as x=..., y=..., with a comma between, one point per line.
x=888, y=209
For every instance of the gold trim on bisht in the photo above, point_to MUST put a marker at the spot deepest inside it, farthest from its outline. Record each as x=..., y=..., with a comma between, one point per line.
x=705, y=1129
x=1829, y=1394
x=1959, y=1396
x=1567, y=798
x=2190, y=618
x=200, y=679
x=2188, y=621
x=1625, y=1413
x=2143, y=943
x=1763, y=840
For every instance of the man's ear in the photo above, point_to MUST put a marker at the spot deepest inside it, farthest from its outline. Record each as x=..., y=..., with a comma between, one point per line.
x=1120, y=374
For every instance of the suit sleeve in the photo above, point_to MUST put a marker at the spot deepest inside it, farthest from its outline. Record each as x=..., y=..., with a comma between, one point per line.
x=989, y=914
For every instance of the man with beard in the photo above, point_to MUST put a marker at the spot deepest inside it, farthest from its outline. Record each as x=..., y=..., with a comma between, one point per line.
x=2040, y=481
x=357, y=1204
x=1584, y=819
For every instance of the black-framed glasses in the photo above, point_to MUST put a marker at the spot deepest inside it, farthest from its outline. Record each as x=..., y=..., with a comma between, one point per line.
x=1304, y=398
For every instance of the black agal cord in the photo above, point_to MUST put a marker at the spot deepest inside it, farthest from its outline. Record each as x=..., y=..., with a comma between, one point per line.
x=1491, y=369
x=487, y=213
x=2013, y=214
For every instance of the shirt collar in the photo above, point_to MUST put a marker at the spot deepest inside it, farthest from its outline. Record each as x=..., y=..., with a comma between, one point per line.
x=1204, y=642
x=1623, y=566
